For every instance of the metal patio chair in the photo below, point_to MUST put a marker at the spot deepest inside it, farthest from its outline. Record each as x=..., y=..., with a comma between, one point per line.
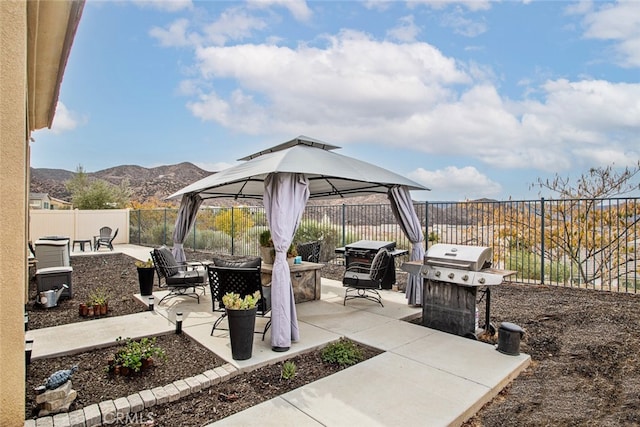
x=363, y=280
x=178, y=278
x=310, y=251
x=239, y=280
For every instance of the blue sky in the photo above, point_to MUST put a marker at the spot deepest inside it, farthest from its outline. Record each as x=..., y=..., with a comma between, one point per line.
x=470, y=98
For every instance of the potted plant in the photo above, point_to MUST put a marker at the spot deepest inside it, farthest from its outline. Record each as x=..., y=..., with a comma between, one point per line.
x=135, y=356
x=267, y=251
x=241, y=313
x=99, y=300
x=292, y=253
x=146, y=273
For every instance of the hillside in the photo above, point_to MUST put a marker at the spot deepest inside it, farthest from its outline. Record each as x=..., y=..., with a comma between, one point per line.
x=146, y=183
x=157, y=182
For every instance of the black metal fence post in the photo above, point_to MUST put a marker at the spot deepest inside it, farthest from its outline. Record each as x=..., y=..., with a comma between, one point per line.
x=344, y=231
x=164, y=229
x=233, y=237
x=542, y=241
x=426, y=225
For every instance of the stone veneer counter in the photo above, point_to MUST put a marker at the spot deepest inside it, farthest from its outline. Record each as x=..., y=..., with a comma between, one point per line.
x=305, y=279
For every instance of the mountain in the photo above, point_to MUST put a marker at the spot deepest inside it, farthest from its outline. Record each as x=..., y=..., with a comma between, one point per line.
x=146, y=183
x=159, y=182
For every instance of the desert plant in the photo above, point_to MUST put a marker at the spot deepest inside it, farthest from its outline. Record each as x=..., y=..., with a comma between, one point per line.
x=342, y=352
x=292, y=251
x=265, y=238
x=144, y=264
x=98, y=297
x=288, y=370
x=233, y=301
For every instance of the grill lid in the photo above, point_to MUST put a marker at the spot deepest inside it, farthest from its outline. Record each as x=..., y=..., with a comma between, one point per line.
x=471, y=258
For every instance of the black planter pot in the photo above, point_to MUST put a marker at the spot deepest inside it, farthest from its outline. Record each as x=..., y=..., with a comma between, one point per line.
x=145, y=278
x=241, y=326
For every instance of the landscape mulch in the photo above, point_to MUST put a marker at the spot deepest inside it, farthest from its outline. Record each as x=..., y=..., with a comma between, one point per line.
x=584, y=345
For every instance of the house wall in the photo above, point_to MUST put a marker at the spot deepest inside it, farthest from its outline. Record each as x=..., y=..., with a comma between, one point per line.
x=13, y=204
x=78, y=224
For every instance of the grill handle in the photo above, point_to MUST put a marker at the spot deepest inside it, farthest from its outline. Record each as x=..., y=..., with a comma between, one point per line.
x=439, y=263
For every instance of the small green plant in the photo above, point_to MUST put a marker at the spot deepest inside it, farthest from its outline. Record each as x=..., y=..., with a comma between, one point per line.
x=292, y=251
x=265, y=238
x=144, y=264
x=132, y=353
x=233, y=301
x=98, y=297
x=342, y=352
x=288, y=370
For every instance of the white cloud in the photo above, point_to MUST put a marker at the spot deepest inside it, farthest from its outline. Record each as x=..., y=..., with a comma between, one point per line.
x=64, y=119
x=411, y=96
x=165, y=5
x=297, y=8
x=408, y=95
x=406, y=31
x=233, y=24
x=472, y=5
x=452, y=183
x=619, y=22
x=175, y=34
x=463, y=25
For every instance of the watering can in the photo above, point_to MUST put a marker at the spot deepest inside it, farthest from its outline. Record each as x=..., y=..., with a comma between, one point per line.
x=49, y=298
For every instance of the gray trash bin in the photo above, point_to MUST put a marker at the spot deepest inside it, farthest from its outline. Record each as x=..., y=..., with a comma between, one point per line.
x=509, y=336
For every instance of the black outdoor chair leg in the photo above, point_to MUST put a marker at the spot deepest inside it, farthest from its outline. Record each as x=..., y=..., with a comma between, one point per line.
x=217, y=322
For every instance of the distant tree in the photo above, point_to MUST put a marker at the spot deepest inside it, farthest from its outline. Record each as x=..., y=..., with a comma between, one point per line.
x=97, y=194
x=598, y=183
x=589, y=225
x=233, y=221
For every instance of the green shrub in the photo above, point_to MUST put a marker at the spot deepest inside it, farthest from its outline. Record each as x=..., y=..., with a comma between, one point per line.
x=527, y=264
x=133, y=352
x=342, y=352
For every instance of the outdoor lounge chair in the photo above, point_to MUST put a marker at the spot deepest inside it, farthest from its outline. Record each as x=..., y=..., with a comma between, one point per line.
x=310, y=251
x=105, y=238
x=363, y=281
x=239, y=280
x=178, y=278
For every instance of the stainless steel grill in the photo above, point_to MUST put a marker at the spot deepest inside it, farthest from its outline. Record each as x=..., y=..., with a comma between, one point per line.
x=452, y=276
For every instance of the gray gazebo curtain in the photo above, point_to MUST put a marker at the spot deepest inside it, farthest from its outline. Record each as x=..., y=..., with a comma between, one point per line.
x=285, y=197
x=402, y=207
x=186, y=217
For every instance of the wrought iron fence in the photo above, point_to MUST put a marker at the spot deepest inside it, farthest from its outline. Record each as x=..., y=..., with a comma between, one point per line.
x=590, y=243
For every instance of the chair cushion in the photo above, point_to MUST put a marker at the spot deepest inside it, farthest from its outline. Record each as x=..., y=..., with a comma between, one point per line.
x=379, y=264
x=167, y=261
x=240, y=262
x=186, y=278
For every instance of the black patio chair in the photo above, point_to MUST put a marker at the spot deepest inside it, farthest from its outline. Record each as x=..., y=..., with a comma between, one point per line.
x=178, y=278
x=364, y=280
x=240, y=280
x=310, y=251
x=105, y=238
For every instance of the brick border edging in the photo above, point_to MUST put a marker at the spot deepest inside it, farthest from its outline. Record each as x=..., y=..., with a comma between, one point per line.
x=109, y=412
